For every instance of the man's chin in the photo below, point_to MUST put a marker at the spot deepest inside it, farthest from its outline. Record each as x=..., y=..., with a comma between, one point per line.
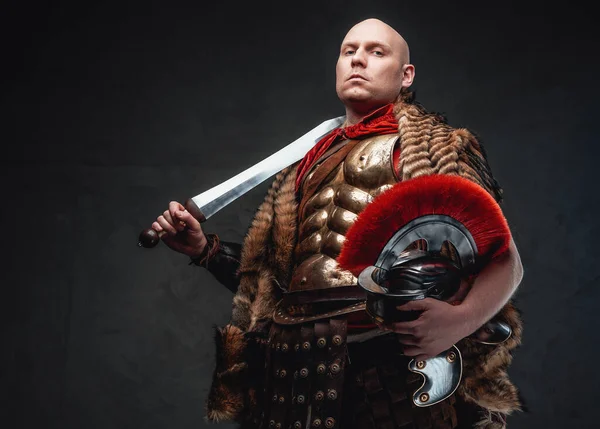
x=357, y=98
x=360, y=103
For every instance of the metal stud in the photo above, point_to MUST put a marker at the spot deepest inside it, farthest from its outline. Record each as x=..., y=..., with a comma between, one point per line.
x=451, y=357
x=337, y=340
x=296, y=347
x=274, y=398
x=321, y=342
x=421, y=364
x=332, y=394
x=329, y=422
x=300, y=399
x=304, y=372
x=284, y=347
x=335, y=368
x=272, y=424
x=281, y=399
x=321, y=368
x=278, y=426
x=306, y=346
x=424, y=397
x=316, y=423
x=319, y=396
x=282, y=373
x=297, y=425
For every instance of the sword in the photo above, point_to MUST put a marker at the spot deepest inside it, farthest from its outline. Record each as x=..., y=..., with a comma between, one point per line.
x=206, y=204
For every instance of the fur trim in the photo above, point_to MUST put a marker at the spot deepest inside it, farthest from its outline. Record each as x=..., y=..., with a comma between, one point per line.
x=430, y=146
x=226, y=398
x=267, y=253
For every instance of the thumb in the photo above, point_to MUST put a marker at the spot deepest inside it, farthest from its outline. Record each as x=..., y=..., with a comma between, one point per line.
x=191, y=222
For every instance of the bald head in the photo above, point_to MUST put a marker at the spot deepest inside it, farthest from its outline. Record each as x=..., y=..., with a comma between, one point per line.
x=373, y=67
x=376, y=28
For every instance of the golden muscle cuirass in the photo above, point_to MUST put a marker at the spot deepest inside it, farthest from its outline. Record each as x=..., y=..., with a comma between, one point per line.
x=366, y=172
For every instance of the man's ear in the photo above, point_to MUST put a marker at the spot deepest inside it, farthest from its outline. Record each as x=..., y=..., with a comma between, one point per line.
x=408, y=75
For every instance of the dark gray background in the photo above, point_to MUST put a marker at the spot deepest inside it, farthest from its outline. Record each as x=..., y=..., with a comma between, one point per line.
x=112, y=110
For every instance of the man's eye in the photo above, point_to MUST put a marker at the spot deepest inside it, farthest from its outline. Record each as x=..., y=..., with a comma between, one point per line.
x=378, y=53
x=349, y=52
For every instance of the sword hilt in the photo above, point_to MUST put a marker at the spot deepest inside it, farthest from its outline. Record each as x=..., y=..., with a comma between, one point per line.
x=149, y=238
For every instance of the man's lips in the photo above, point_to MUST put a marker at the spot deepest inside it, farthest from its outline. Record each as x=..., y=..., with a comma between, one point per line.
x=356, y=76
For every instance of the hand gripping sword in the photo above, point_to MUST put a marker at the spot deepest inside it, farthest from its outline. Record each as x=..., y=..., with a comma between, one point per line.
x=206, y=204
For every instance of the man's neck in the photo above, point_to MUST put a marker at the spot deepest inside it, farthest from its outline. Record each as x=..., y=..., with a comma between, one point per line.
x=353, y=116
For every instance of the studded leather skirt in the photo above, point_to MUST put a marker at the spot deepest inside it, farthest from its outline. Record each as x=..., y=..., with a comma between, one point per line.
x=315, y=379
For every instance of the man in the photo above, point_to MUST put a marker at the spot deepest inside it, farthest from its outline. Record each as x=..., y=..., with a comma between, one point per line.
x=279, y=366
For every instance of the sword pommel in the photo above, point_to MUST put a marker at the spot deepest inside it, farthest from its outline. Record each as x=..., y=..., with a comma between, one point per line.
x=148, y=238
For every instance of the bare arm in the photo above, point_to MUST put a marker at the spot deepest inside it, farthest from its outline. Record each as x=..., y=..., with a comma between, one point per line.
x=492, y=289
x=441, y=325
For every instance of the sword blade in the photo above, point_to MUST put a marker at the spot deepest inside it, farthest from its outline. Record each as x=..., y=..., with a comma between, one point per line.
x=211, y=201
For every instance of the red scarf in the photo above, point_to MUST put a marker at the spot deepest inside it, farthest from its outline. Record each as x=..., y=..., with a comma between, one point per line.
x=379, y=122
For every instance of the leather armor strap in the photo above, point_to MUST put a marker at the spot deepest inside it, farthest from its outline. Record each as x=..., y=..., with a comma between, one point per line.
x=303, y=363
x=335, y=373
x=341, y=293
x=280, y=392
x=283, y=318
x=318, y=375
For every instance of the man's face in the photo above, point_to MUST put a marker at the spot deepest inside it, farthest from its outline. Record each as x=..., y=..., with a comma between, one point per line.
x=369, y=69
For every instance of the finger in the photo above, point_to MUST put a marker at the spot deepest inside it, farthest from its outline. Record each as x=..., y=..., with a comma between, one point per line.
x=408, y=340
x=166, y=225
x=174, y=206
x=178, y=225
x=412, y=351
x=156, y=227
x=409, y=328
x=191, y=222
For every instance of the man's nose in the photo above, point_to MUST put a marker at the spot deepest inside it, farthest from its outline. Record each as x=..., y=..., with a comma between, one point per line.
x=359, y=58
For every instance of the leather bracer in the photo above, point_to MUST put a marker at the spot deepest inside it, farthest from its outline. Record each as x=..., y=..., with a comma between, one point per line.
x=224, y=264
